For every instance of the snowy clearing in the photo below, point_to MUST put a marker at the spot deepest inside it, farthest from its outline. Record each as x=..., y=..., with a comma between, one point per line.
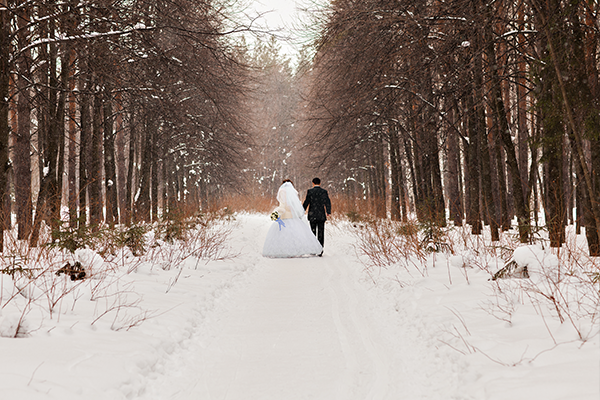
x=247, y=327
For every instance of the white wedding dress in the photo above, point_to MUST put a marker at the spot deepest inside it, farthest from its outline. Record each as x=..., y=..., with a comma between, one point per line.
x=290, y=237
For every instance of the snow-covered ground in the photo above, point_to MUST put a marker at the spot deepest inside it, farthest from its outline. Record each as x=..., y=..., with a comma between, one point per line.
x=246, y=327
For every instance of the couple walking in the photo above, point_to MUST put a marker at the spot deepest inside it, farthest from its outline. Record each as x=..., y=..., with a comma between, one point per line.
x=290, y=236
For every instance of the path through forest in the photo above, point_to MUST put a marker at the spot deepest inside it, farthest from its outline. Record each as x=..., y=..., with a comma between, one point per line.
x=249, y=328
x=300, y=328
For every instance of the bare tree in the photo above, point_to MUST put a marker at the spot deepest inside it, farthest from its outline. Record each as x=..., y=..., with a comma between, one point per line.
x=505, y=77
x=98, y=68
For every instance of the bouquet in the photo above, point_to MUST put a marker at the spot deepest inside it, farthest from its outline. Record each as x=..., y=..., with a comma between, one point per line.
x=275, y=217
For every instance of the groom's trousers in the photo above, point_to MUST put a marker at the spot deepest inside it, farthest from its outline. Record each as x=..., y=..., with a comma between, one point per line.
x=318, y=228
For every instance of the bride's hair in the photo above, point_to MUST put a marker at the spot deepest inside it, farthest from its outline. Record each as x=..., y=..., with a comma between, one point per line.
x=287, y=180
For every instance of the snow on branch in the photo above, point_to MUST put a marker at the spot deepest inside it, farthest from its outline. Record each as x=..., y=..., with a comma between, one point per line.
x=92, y=35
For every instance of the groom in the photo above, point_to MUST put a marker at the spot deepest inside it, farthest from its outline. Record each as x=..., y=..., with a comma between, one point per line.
x=318, y=204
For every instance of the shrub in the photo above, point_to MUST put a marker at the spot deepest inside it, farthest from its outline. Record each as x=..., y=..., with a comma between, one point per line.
x=434, y=238
x=16, y=265
x=171, y=230
x=409, y=228
x=353, y=216
x=133, y=238
x=72, y=239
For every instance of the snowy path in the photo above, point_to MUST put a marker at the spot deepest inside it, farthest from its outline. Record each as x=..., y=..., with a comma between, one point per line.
x=295, y=333
x=251, y=328
x=297, y=329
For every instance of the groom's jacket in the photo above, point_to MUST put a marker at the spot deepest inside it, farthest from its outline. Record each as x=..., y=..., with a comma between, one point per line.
x=318, y=204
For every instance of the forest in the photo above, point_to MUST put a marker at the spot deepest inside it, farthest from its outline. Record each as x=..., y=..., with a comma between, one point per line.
x=466, y=111
x=119, y=112
x=112, y=108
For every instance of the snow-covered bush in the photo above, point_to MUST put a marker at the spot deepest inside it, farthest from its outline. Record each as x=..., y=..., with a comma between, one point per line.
x=558, y=288
x=73, y=238
x=386, y=242
x=91, y=272
x=559, y=284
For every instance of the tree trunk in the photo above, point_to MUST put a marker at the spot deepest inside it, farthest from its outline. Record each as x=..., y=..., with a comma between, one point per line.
x=523, y=131
x=71, y=133
x=51, y=145
x=172, y=203
x=582, y=121
x=486, y=158
x=522, y=210
x=4, y=127
x=472, y=180
x=489, y=206
x=60, y=133
x=95, y=165
x=110, y=170
x=413, y=173
x=72, y=159
x=394, y=172
x=130, y=171
x=165, y=190
x=553, y=205
x=591, y=229
x=579, y=201
x=379, y=175
x=22, y=161
x=120, y=161
x=85, y=137
x=452, y=177
x=500, y=167
x=49, y=208
x=154, y=183
x=142, y=203
x=437, y=193
x=585, y=83
x=552, y=140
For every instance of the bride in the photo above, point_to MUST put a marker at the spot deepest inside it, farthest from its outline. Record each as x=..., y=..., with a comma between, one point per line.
x=290, y=236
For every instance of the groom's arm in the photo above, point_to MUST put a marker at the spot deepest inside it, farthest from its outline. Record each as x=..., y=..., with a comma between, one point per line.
x=327, y=203
x=306, y=201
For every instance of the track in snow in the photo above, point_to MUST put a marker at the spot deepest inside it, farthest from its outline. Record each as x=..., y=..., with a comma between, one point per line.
x=296, y=329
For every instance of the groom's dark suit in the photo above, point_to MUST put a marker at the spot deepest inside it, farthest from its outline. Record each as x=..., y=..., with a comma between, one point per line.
x=319, y=206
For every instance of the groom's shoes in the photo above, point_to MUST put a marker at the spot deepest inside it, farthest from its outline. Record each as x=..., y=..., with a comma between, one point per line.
x=320, y=254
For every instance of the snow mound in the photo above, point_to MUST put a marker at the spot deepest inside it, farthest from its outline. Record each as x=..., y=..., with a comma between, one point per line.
x=13, y=326
x=90, y=260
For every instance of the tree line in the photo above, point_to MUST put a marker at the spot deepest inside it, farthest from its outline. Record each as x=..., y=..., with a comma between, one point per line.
x=276, y=125
x=114, y=110
x=485, y=110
